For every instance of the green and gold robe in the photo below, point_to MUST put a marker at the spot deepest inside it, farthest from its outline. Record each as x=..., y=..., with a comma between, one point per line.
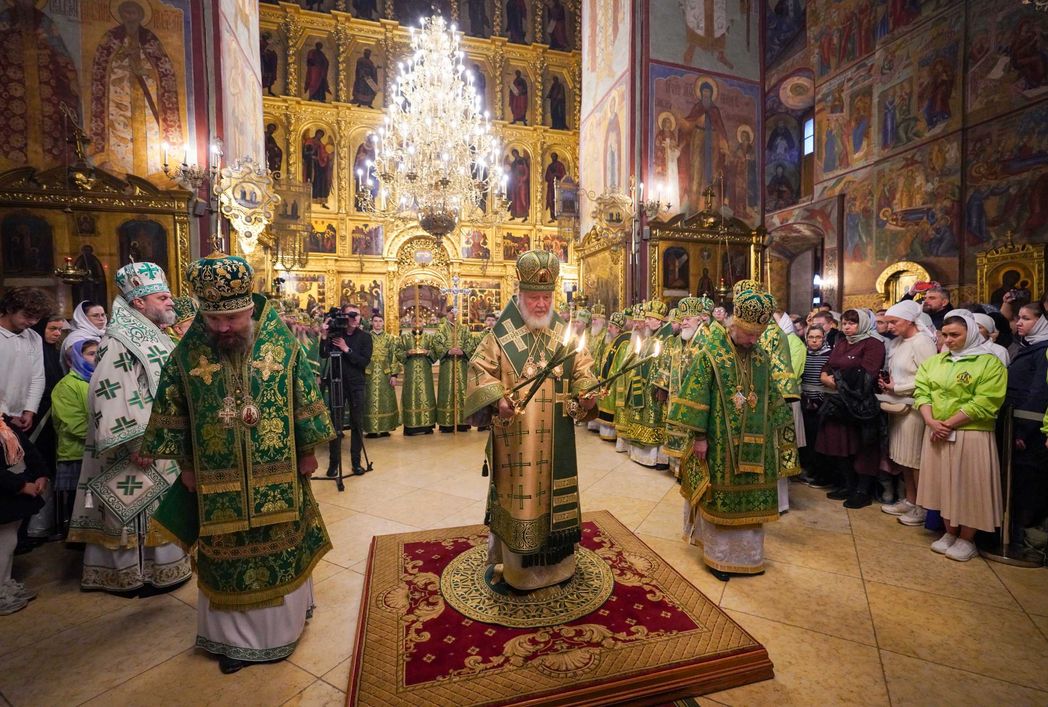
x=611, y=356
x=777, y=346
x=729, y=397
x=380, y=398
x=418, y=402
x=643, y=415
x=241, y=422
x=533, y=499
x=451, y=385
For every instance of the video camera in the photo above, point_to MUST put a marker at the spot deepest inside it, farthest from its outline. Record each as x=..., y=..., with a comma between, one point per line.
x=338, y=323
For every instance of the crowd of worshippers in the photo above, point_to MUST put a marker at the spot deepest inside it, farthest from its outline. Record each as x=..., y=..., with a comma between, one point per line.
x=907, y=407
x=902, y=406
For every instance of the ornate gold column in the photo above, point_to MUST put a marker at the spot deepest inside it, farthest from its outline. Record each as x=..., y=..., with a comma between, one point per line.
x=293, y=35
x=343, y=40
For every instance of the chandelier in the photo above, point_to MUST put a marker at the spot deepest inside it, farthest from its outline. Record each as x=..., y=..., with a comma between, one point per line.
x=436, y=159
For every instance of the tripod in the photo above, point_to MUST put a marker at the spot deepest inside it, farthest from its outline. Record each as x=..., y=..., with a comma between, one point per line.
x=337, y=409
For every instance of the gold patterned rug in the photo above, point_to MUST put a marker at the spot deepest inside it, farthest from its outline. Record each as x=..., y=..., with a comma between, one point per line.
x=435, y=629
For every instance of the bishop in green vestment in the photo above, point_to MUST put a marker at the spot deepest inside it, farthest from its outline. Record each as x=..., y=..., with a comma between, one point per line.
x=381, y=415
x=533, y=499
x=617, y=338
x=453, y=344
x=729, y=408
x=418, y=401
x=642, y=424
x=595, y=342
x=239, y=408
x=674, y=362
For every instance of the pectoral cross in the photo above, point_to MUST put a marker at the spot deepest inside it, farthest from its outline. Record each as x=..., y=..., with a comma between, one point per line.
x=228, y=413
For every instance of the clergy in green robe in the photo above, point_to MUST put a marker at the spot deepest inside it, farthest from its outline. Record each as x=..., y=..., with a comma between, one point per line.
x=673, y=363
x=453, y=344
x=729, y=407
x=642, y=424
x=533, y=508
x=418, y=401
x=615, y=339
x=239, y=409
x=625, y=356
x=381, y=415
x=596, y=343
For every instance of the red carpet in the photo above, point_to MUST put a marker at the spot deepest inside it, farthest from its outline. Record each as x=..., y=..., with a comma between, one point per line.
x=656, y=638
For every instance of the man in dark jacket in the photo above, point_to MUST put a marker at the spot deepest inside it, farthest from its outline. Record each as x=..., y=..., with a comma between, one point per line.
x=349, y=349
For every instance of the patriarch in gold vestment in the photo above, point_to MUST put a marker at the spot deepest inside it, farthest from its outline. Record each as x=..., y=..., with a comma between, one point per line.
x=533, y=500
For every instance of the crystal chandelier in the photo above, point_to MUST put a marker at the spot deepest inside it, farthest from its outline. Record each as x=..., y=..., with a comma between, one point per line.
x=436, y=158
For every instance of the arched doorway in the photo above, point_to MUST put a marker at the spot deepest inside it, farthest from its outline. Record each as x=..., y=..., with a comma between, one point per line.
x=795, y=257
x=423, y=268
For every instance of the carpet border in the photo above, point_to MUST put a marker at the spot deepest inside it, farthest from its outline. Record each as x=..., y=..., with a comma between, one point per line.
x=739, y=667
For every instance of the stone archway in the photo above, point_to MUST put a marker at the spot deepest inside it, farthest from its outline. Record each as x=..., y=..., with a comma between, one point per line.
x=793, y=259
x=422, y=266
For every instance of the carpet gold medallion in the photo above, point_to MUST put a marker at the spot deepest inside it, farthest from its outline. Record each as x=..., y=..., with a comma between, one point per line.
x=466, y=585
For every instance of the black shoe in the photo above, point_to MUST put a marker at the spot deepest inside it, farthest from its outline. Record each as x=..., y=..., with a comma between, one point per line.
x=838, y=494
x=722, y=576
x=483, y=428
x=817, y=483
x=446, y=428
x=332, y=471
x=662, y=467
x=24, y=548
x=358, y=470
x=371, y=435
x=858, y=500
x=463, y=428
x=383, y=434
x=228, y=665
x=427, y=431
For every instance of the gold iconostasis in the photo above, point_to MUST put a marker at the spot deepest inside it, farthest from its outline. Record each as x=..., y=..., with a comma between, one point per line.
x=326, y=77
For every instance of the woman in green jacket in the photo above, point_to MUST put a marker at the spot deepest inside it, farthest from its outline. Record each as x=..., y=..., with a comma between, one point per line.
x=959, y=393
x=69, y=410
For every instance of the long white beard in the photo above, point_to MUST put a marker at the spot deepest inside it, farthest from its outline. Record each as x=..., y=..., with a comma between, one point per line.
x=596, y=329
x=536, y=323
x=686, y=333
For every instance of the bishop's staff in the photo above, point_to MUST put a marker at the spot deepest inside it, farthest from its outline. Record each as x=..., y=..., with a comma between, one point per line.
x=656, y=350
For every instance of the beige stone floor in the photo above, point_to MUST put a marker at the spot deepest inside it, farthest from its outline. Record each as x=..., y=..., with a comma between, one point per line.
x=854, y=608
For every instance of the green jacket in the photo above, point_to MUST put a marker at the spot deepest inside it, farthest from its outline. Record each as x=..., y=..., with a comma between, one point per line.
x=69, y=411
x=974, y=384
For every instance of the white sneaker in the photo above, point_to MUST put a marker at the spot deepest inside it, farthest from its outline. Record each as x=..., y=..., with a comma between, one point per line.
x=915, y=517
x=962, y=550
x=18, y=589
x=10, y=603
x=944, y=543
x=897, y=509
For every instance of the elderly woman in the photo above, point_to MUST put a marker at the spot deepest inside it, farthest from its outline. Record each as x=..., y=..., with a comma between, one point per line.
x=1028, y=396
x=988, y=329
x=89, y=322
x=959, y=393
x=906, y=352
x=850, y=428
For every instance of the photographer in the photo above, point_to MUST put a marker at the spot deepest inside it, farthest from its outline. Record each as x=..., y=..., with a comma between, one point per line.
x=344, y=341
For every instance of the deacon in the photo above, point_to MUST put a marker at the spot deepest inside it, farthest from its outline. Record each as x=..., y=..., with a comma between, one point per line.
x=120, y=486
x=381, y=415
x=453, y=344
x=481, y=419
x=616, y=337
x=239, y=408
x=533, y=503
x=418, y=401
x=729, y=408
x=643, y=423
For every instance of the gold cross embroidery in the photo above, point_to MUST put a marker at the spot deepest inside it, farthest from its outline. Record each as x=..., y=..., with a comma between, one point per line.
x=205, y=371
x=514, y=336
x=267, y=366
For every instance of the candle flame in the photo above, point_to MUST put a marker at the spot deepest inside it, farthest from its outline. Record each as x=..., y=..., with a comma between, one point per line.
x=657, y=349
x=636, y=345
x=582, y=343
x=567, y=335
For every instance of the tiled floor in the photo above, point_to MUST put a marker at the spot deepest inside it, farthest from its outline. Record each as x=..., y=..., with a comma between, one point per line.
x=854, y=608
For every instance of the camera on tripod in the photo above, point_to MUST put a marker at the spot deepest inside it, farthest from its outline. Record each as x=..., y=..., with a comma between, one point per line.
x=338, y=324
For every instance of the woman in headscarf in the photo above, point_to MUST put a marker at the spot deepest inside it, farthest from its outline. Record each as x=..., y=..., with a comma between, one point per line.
x=959, y=394
x=813, y=392
x=51, y=329
x=69, y=403
x=89, y=322
x=1028, y=396
x=988, y=328
x=851, y=442
x=905, y=353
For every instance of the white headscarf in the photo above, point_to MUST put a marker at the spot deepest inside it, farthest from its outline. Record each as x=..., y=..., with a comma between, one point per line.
x=926, y=327
x=866, y=323
x=82, y=329
x=907, y=309
x=974, y=343
x=986, y=322
x=1039, y=333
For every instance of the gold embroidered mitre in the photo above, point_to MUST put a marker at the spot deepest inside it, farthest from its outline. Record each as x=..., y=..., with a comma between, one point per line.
x=537, y=271
x=221, y=283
